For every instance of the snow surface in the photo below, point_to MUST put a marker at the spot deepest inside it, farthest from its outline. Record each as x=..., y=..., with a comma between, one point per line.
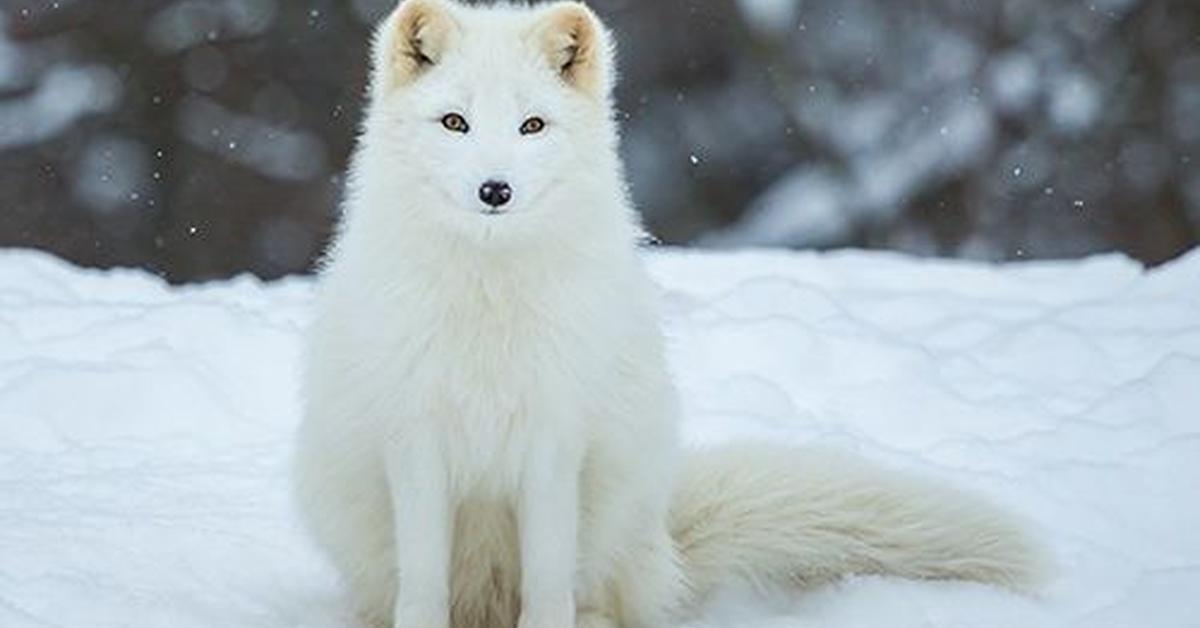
x=145, y=430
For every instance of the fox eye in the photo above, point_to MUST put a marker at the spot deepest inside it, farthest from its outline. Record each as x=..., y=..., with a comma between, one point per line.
x=455, y=123
x=533, y=126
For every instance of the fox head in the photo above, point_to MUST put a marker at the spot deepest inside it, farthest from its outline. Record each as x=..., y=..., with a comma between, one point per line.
x=490, y=120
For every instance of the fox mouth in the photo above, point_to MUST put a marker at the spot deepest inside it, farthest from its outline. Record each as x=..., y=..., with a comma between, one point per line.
x=493, y=211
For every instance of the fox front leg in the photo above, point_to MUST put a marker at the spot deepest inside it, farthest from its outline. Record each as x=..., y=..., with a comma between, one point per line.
x=549, y=521
x=421, y=521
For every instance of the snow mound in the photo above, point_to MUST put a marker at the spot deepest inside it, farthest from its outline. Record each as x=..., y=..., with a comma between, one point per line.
x=145, y=430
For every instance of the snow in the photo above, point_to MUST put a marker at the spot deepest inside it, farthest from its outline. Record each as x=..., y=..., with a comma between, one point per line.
x=112, y=170
x=817, y=206
x=773, y=17
x=63, y=95
x=181, y=25
x=145, y=430
x=273, y=151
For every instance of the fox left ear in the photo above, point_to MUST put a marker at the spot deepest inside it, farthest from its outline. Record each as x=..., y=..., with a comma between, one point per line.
x=577, y=46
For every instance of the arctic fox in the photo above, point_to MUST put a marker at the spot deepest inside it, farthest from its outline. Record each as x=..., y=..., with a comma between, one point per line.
x=490, y=430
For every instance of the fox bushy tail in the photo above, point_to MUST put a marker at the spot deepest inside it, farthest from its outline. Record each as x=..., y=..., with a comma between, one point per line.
x=776, y=515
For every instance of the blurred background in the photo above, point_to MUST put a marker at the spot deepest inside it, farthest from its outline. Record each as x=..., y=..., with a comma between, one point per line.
x=205, y=138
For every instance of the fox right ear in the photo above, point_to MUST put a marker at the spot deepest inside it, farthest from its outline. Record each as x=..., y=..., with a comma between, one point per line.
x=577, y=47
x=413, y=39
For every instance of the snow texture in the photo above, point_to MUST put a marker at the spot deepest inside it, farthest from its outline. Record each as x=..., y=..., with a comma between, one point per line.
x=145, y=430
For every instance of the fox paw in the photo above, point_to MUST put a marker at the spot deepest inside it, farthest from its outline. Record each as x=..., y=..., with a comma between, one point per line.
x=592, y=619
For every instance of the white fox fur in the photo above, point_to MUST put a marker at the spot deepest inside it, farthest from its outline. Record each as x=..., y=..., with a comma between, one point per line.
x=490, y=430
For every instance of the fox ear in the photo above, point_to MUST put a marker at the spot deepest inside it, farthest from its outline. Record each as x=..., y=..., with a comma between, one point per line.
x=412, y=40
x=575, y=43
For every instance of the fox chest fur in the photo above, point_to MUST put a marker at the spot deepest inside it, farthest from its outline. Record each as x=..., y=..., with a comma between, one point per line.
x=479, y=362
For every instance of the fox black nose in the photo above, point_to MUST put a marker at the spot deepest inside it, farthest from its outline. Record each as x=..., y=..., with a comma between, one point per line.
x=495, y=193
